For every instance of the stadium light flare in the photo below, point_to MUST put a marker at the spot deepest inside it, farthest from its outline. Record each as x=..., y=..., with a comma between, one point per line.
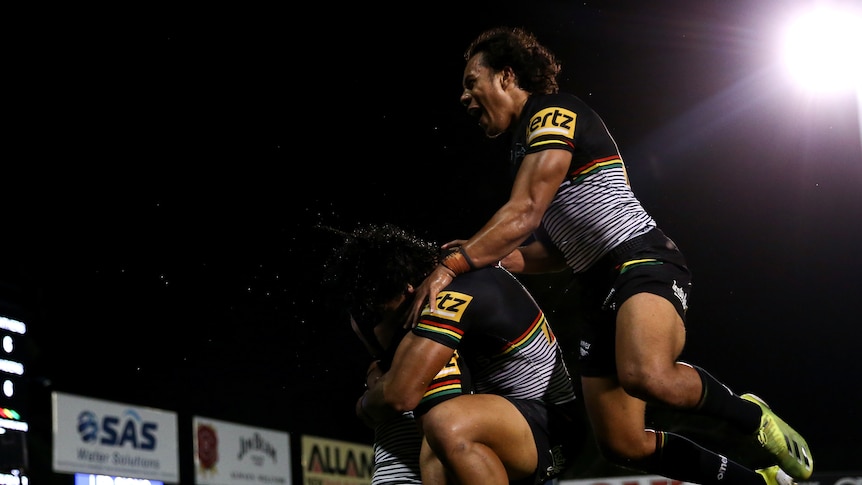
x=822, y=49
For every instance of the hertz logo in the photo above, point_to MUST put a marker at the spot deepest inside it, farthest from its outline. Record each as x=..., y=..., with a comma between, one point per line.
x=552, y=121
x=450, y=305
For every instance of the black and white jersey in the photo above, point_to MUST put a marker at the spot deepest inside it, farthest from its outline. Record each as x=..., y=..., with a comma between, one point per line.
x=594, y=209
x=396, y=452
x=501, y=334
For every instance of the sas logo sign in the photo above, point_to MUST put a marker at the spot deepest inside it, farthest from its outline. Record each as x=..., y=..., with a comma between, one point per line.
x=552, y=121
x=127, y=430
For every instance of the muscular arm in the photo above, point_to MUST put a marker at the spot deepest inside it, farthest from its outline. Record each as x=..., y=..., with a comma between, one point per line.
x=534, y=258
x=535, y=186
x=417, y=361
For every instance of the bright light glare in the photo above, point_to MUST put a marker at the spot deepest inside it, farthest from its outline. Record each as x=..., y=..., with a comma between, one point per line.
x=823, y=49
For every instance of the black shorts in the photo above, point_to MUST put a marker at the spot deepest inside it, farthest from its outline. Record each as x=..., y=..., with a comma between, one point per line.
x=559, y=435
x=650, y=263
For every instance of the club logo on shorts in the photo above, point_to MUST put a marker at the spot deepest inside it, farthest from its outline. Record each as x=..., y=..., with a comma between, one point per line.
x=585, y=348
x=680, y=293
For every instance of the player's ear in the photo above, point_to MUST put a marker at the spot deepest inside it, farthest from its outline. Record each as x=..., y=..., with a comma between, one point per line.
x=410, y=289
x=507, y=77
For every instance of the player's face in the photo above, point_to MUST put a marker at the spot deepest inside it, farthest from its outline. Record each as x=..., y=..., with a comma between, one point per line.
x=485, y=97
x=377, y=325
x=392, y=320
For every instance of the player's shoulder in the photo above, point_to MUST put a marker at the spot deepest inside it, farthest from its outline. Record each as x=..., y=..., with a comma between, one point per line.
x=475, y=282
x=472, y=293
x=547, y=114
x=565, y=100
x=483, y=282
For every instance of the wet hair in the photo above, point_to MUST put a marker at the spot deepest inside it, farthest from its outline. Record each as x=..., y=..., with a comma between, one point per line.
x=535, y=67
x=374, y=264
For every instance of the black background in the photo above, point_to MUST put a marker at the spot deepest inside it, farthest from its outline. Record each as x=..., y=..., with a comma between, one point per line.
x=168, y=165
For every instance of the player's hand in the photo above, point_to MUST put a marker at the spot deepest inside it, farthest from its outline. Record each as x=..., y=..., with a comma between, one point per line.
x=427, y=293
x=363, y=416
x=373, y=374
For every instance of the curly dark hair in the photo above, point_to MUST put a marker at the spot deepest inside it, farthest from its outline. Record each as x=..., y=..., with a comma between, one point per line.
x=535, y=67
x=375, y=264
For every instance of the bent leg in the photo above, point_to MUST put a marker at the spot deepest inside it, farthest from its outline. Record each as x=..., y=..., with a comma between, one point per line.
x=618, y=421
x=432, y=470
x=480, y=438
x=650, y=336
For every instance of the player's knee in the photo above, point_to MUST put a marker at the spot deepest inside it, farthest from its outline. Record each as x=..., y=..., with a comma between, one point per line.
x=446, y=435
x=626, y=452
x=433, y=470
x=636, y=381
x=644, y=381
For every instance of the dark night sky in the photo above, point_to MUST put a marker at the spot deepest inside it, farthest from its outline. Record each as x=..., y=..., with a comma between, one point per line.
x=170, y=164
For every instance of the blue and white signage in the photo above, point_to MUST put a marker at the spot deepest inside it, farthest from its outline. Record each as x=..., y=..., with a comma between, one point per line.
x=110, y=438
x=90, y=479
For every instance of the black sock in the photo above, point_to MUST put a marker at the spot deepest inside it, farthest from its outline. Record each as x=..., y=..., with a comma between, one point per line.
x=678, y=458
x=717, y=400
